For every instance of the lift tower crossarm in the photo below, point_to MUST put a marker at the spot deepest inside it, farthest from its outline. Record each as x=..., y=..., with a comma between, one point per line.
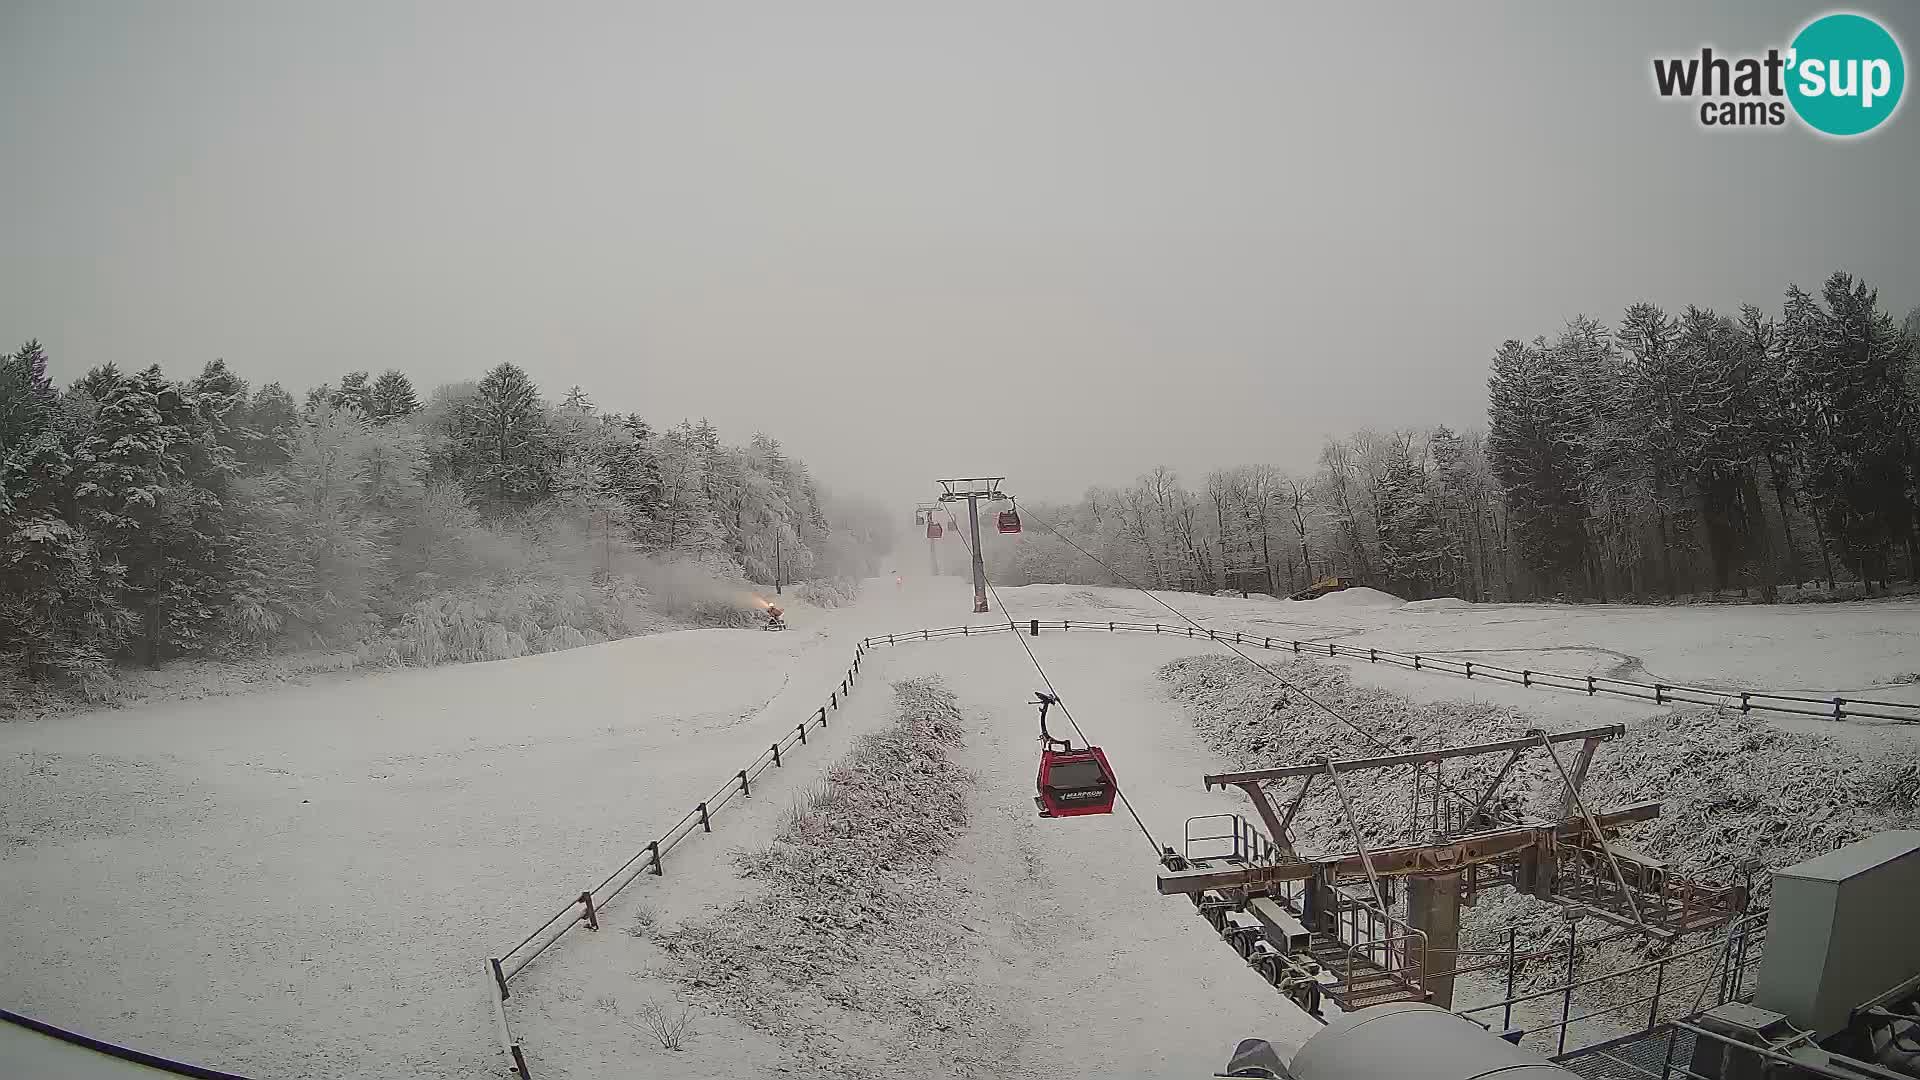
x=1611, y=731
x=975, y=489
x=1476, y=849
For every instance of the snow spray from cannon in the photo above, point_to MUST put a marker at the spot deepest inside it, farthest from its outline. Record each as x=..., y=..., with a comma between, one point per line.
x=776, y=615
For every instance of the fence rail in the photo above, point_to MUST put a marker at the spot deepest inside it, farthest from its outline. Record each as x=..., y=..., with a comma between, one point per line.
x=1746, y=701
x=115, y=1050
x=585, y=908
x=1732, y=960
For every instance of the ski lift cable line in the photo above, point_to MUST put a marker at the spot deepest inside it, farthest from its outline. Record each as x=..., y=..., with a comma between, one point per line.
x=1276, y=676
x=1272, y=674
x=1121, y=792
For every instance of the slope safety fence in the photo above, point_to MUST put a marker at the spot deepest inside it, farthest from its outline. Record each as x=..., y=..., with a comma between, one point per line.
x=1746, y=701
x=585, y=909
x=141, y=1058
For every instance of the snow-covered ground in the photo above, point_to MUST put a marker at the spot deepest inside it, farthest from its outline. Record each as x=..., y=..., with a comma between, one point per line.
x=304, y=881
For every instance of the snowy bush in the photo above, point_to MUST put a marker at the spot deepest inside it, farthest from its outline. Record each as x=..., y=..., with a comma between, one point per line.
x=829, y=592
x=668, y=1028
x=500, y=622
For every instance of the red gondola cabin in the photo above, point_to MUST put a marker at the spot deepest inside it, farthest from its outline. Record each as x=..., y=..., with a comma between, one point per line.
x=1071, y=783
x=1009, y=521
x=934, y=532
x=1074, y=782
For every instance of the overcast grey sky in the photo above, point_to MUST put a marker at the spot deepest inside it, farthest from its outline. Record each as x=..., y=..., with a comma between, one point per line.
x=1060, y=241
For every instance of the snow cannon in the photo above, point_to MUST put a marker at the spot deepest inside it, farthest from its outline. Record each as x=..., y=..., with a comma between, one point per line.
x=776, y=617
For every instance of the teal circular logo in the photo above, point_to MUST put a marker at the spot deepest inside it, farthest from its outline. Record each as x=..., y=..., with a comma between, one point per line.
x=1846, y=74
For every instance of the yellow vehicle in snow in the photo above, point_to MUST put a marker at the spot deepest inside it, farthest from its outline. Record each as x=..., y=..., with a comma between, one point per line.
x=1324, y=586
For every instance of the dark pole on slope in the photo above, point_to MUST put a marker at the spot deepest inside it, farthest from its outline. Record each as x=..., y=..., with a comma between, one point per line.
x=975, y=488
x=979, y=567
x=776, y=564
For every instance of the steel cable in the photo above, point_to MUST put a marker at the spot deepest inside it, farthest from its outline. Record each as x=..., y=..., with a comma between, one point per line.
x=1068, y=713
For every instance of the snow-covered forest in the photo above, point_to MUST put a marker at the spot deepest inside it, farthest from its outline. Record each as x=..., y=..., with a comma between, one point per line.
x=1665, y=456
x=148, y=518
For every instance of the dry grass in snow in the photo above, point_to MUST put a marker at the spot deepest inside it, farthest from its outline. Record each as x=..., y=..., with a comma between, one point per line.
x=1258, y=723
x=848, y=932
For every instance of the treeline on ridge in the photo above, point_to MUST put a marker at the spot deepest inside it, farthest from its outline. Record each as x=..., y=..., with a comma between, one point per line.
x=147, y=518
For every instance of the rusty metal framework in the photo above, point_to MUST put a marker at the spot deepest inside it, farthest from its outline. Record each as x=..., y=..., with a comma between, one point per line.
x=1331, y=914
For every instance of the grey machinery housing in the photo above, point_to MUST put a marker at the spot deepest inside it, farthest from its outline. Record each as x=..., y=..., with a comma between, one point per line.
x=1407, y=1040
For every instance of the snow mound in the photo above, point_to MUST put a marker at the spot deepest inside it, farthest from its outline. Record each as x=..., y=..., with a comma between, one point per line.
x=1438, y=603
x=1359, y=597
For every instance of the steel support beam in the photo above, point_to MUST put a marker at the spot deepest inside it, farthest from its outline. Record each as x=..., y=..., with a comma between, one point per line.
x=1611, y=731
x=1276, y=828
x=1416, y=859
x=1433, y=906
x=1568, y=805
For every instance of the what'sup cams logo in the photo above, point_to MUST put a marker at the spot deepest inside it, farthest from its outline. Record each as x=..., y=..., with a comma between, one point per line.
x=1842, y=75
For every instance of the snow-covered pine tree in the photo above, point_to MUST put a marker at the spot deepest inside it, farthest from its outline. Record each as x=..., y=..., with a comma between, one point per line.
x=29, y=441
x=152, y=471
x=1536, y=446
x=1720, y=444
x=223, y=396
x=684, y=522
x=503, y=436
x=356, y=393
x=1773, y=420
x=1652, y=429
x=634, y=473
x=99, y=381
x=1413, y=551
x=392, y=397
x=58, y=615
x=1847, y=371
x=1457, y=510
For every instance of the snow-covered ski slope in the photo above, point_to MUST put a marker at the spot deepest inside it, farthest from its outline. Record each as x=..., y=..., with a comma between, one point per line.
x=303, y=882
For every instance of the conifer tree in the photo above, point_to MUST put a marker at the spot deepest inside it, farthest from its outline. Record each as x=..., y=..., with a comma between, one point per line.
x=504, y=435
x=392, y=397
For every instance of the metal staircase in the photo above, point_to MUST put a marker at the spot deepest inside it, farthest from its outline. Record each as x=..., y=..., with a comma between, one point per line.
x=1355, y=956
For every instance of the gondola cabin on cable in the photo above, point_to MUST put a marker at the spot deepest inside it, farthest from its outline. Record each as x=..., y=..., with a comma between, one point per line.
x=934, y=532
x=1072, y=783
x=1007, y=517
